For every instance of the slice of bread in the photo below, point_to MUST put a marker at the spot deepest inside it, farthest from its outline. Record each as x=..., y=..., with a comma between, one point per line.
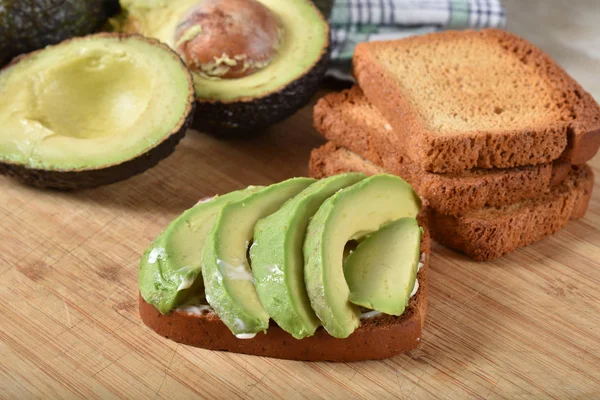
x=478, y=99
x=492, y=232
x=377, y=337
x=489, y=232
x=349, y=120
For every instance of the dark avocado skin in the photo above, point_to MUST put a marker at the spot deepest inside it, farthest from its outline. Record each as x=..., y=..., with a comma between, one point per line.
x=75, y=180
x=324, y=6
x=27, y=25
x=245, y=118
x=111, y=7
x=83, y=179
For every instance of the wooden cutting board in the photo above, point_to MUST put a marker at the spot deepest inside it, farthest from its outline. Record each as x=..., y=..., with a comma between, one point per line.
x=524, y=326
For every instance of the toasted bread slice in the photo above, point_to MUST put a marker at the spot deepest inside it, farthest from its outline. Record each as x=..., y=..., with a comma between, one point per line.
x=492, y=232
x=478, y=99
x=489, y=232
x=349, y=120
x=377, y=337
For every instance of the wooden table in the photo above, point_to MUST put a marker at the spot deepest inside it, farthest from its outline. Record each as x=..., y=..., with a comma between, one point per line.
x=526, y=325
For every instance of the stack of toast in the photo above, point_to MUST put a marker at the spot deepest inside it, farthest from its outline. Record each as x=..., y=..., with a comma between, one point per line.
x=488, y=129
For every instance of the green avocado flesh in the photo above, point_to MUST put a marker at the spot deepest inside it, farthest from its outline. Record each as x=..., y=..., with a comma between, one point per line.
x=381, y=272
x=350, y=214
x=227, y=276
x=305, y=38
x=170, y=270
x=91, y=102
x=277, y=260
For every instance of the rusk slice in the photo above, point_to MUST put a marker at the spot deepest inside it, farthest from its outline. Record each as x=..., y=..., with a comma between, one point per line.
x=492, y=232
x=478, y=99
x=349, y=120
x=489, y=232
x=377, y=337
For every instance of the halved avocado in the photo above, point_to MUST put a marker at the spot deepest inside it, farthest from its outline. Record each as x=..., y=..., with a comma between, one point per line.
x=269, y=89
x=92, y=110
x=30, y=25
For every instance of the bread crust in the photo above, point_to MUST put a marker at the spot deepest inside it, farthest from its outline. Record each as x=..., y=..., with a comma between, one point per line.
x=349, y=120
x=448, y=194
x=376, y=338
x=490, y=232
x=573, y=133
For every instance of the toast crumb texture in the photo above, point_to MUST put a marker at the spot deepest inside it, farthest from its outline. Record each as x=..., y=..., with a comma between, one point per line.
x=478, y=99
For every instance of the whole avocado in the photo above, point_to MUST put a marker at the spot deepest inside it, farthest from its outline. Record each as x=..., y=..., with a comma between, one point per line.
x=27, y=25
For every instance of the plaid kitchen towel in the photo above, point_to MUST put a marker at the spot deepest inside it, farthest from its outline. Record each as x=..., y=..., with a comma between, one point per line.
x=354, y=21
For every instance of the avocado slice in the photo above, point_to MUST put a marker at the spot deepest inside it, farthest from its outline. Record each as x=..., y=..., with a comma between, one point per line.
x=382, y=271
x=350, y=214
x=274, y=90
x=26, y=26
x=171, y=269
x=227, y=277
x=92, y=110
x=277, y=260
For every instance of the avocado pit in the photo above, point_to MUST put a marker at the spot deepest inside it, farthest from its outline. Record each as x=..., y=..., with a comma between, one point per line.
x=228, y=39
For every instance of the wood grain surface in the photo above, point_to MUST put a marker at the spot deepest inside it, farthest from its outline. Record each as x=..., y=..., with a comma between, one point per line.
x=524, y=326
x=521, y=327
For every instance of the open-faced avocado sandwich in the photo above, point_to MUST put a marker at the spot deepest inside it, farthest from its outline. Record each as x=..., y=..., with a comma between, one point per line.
x=92, y=110
x=331, y=270
x=254, y=62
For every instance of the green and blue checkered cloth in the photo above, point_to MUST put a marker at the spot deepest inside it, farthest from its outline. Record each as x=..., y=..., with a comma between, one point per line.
x=355, y=21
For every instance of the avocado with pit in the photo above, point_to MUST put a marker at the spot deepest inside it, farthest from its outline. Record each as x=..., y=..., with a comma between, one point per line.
x=228, y=281
x=170, y=270
x=28, y=25
x=350, y=214
x=277, y=260
x=254, y=62
x=381, y=272
x=92, y=110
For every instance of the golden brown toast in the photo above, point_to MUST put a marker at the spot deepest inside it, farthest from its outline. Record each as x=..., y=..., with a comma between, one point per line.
x=478, y=99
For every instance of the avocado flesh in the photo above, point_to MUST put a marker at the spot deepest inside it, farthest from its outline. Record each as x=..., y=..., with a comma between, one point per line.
x=171, y=270
x=304, y=43
x=277, y=260
x=91, y=102
x=350, y=214
x=227, y=276
x=381, y=272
